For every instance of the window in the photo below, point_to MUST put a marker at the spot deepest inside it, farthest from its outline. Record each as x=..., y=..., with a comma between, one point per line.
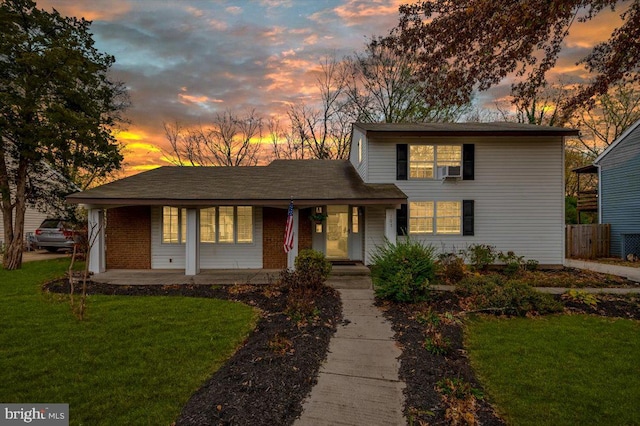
x=421, y=217
x=424, y=160
x=359, y=150
x=183, y=225
x=208, y=225
x=170, y=221
x=448, y=217
x=245, y=224
x=421, y=159
x=354, y=220
x=225, y=224
x=442, y=217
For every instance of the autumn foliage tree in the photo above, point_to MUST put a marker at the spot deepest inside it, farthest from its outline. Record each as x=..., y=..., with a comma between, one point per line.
x=468, y=45
x=58, y=110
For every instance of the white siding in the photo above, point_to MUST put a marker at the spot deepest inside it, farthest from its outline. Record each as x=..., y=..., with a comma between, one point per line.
x=374, y=230
x=32, y=220
x=212, y=256
x=360, y=166
x=518, y=192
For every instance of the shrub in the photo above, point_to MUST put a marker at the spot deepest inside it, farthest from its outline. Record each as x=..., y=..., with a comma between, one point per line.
x=513, y=264
x=403, y=271
x=450, y=268
x=305, y=284
x=480, y=256
x=313, y=260
x=580, y=296
x=495, y=293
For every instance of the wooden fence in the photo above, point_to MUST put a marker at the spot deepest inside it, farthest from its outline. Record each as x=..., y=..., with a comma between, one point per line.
x=588, y=241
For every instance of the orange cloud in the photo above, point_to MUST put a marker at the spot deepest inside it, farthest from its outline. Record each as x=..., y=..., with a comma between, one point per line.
x=91, y=11
x=587, y=34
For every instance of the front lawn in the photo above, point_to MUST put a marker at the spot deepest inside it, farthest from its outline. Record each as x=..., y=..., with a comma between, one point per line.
x=133, y=360
x=559, y=370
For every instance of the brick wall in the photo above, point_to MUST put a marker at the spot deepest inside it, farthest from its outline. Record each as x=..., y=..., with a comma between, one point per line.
x=128, y=238
x=273, y=223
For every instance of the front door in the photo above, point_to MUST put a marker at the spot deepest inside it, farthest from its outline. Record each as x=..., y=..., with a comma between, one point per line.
x=337, y=232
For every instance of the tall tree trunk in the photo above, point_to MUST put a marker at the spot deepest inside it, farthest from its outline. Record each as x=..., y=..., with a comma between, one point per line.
x=12, y=258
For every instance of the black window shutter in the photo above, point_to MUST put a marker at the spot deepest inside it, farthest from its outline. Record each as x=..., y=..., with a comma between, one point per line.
x=401, y=220
x=402, y=161
x=467, y=217
x=468, y=160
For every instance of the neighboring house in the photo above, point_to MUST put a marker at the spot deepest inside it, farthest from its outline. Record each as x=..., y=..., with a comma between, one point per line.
x=32, y=220
x=451, y=185
x=619, y=191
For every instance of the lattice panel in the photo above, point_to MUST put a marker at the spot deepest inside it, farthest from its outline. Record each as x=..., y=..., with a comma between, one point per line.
x=630, y=244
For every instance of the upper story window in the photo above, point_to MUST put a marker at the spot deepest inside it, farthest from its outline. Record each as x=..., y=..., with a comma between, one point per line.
x=424, y=160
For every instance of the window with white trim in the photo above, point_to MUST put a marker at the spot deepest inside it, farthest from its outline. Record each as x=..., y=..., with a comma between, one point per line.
x=208, y=225
x=225, y=224
x=441, y=217
x=424, y=160
x=170, y=224
x=245, y=224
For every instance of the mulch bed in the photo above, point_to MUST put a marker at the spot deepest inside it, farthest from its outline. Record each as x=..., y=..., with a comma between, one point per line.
x=422, y=370
x=266, y=380
x=265, y=383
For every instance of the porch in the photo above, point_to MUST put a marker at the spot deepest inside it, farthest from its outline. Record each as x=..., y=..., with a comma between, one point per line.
x=342, y=276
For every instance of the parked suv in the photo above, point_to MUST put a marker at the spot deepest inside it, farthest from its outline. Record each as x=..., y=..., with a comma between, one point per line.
x=54, y=234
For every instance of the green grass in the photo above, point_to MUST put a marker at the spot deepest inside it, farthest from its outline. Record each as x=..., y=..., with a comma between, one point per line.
x=559, y=370
x=133, y=360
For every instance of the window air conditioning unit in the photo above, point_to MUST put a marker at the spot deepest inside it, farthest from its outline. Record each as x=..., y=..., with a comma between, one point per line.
x=451, y=172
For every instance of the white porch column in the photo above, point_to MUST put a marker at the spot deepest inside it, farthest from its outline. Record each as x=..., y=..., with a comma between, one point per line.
x=390, y=225
x=96, y=224
x=291, y=256
x=192, y=243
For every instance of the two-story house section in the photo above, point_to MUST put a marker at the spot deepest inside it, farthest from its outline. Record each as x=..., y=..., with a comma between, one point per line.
x=500, y=184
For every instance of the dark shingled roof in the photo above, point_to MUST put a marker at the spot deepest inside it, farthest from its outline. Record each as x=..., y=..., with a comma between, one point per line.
x=462, y=129
x=306, y=181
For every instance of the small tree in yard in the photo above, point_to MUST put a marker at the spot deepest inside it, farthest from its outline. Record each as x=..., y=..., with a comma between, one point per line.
x=403, y=271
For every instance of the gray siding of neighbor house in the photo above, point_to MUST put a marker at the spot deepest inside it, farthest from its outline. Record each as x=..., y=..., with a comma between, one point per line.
x=620, y=190
x=518, y=192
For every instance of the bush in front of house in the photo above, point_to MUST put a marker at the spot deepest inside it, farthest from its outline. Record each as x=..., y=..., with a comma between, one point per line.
x=313, y=261
x=305, y=284
x=494, y=293
x=403, y=271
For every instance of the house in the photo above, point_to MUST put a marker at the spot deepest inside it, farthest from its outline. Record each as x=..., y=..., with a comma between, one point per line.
x=32, y=220
x=451, y=185
x=619, y=191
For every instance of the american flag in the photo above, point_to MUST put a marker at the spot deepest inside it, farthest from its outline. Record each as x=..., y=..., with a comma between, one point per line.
x=288, y=230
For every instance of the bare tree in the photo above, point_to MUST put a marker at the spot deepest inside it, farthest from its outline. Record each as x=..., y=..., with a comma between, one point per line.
x=611, y=115
x=230, y=140
x=325, y=132
x=382, y=87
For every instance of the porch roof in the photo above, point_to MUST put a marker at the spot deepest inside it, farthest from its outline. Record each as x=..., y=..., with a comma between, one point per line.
x=307, y=182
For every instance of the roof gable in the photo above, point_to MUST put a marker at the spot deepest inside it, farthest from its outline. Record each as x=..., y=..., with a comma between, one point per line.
x=616, y=142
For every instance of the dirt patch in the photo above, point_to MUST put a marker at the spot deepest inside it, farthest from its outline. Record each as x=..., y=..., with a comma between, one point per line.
x=266, y=380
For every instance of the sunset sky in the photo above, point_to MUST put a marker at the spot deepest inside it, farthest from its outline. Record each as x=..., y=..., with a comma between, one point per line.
x=185, y=60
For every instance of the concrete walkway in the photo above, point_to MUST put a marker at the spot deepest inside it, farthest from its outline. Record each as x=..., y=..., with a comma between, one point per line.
x=358, y=383
x=627, y=272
